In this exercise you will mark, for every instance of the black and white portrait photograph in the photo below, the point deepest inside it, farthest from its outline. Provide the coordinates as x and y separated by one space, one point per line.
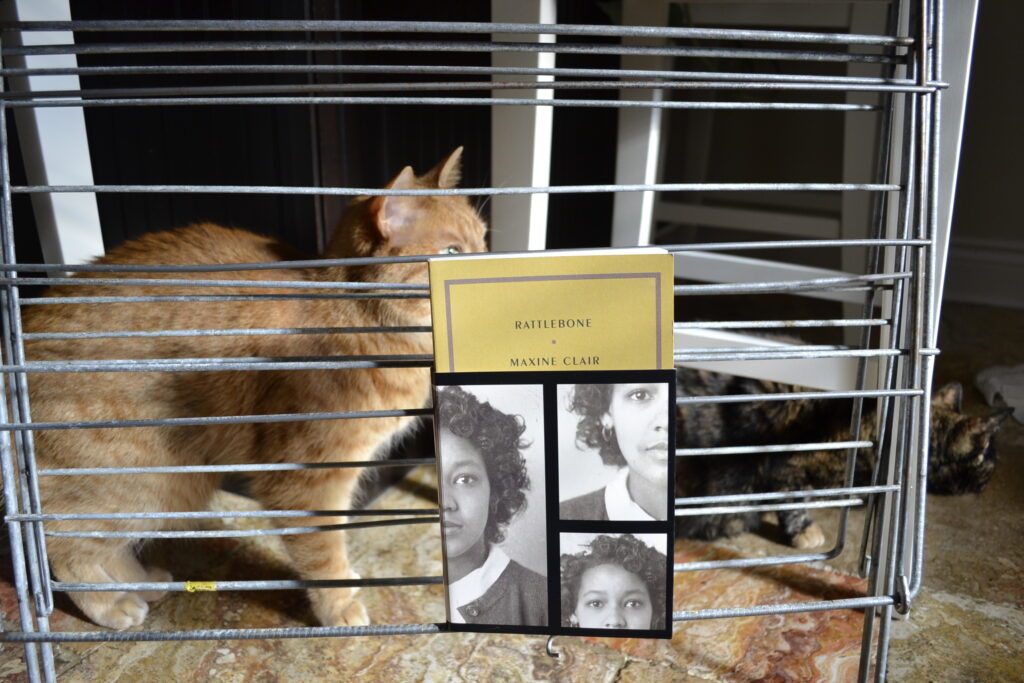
613 581
614 455
491 472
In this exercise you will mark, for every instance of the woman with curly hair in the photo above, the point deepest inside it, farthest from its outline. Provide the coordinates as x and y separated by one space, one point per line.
484 480
628 426
617 582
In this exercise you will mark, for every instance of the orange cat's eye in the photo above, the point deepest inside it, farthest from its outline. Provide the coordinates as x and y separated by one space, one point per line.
451 249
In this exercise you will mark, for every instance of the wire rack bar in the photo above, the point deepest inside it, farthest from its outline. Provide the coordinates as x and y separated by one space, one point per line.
222 469
224 332
204 514
217 420
788 286
774 448
470 191
167 282
854 82
799 395
786 495
458 27
445 86
775 324
222 364
245 533
751 562
183 586
442 46
439 101
794 354
790 608
55 300
220 634
770 507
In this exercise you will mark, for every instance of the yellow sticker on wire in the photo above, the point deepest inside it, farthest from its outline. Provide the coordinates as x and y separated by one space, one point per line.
200 586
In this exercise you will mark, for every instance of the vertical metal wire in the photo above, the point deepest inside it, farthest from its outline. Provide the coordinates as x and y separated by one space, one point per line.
38 571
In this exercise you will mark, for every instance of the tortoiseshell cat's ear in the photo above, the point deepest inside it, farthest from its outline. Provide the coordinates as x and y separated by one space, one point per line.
448 172
392 213
991 423
950 397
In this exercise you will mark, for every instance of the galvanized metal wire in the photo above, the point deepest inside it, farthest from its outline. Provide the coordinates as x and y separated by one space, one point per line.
900 270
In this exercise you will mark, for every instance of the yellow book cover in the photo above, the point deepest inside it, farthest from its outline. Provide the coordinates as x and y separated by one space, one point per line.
553 312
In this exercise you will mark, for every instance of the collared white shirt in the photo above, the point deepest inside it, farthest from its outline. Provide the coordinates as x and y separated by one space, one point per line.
475 584
618 502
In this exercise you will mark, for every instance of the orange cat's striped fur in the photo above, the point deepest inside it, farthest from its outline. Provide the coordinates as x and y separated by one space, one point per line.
370 226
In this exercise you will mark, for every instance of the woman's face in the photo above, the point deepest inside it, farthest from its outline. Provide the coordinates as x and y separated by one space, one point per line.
467 494
611 597
639 414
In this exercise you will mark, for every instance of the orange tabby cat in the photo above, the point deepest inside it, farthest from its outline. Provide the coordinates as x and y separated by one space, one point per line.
370 226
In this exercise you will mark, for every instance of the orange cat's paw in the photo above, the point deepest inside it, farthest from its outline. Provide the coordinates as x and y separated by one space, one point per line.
347 613
811 537
338 606
156 575
123 611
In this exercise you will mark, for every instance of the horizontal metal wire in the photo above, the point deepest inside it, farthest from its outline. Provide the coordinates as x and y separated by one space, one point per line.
218 634
786 495
791 353
798 395
774 448
223 364
168 282
489 191
794 244
438 101
755 79
221 469
749 562
789 608
423 258
488 47
268 585
245 533
770 507
320 89
169 298
363 26
209 514
711 350
774 324
224 332
788 285
217 420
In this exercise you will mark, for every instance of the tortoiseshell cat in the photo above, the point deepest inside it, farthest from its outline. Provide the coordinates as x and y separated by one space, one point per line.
370 226
961 455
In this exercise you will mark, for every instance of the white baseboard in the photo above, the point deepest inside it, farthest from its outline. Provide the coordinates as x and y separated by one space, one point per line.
989 272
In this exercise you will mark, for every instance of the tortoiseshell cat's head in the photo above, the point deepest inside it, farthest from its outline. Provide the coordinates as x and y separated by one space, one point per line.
961 455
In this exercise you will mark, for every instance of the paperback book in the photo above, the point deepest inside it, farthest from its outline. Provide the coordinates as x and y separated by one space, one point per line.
554 421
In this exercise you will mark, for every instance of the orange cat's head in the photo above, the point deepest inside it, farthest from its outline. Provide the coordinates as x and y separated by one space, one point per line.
397 225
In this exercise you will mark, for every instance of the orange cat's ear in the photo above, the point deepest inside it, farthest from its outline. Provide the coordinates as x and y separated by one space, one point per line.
950 397
448 173
393 213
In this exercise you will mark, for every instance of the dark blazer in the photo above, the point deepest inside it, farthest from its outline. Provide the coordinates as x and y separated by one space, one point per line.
588 506
519 597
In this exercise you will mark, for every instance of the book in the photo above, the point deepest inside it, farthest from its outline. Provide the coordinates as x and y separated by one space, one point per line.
554 423
602 311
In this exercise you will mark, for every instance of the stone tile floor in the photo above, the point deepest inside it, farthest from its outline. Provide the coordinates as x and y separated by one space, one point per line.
967 625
